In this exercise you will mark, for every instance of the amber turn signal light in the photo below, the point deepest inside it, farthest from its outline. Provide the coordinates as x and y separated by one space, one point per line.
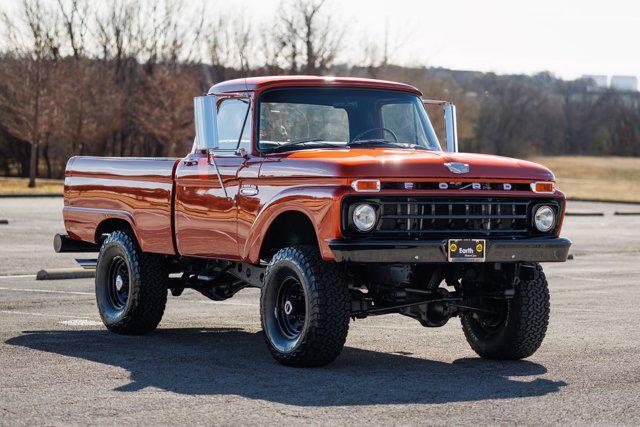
542 187
366 185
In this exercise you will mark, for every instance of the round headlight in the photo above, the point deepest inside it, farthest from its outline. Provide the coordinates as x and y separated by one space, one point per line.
364 217
544 218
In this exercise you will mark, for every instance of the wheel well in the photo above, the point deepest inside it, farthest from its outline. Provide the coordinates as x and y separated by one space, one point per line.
109 226
290 228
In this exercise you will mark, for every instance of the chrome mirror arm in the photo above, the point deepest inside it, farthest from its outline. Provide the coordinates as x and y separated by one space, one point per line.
212 160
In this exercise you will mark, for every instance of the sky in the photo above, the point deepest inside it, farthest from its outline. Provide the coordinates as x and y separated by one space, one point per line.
569 38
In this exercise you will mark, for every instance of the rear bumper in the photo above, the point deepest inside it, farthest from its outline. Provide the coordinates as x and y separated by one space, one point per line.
419 251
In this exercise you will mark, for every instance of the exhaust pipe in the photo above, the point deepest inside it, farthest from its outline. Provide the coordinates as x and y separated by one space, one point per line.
62 243
87 264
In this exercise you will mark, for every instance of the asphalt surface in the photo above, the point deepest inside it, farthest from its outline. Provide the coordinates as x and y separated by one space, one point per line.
207 362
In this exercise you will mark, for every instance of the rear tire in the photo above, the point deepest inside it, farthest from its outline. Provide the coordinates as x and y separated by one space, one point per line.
304 307
131 286
521 328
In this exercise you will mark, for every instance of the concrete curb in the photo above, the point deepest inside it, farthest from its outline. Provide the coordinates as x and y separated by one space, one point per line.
626 213
622 202
64 273
584 213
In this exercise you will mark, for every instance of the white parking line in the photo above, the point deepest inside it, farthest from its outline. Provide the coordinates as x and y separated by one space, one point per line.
80 322
46 291
239 304
52 291
27 313
18 276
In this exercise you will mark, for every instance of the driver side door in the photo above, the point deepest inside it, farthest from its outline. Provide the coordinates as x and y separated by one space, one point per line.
207 184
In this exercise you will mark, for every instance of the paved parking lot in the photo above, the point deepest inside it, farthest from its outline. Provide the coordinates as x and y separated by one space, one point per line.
207 362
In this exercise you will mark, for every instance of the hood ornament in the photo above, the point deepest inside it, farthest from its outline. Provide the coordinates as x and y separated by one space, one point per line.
457 167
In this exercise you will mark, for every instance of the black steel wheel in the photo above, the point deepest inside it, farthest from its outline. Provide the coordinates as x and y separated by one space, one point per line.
510 328
118 282
290 306
131 286
304 307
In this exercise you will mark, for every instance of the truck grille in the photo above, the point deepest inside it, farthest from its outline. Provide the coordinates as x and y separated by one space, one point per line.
437 217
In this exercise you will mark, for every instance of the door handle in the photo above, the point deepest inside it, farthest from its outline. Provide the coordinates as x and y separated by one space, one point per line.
190 161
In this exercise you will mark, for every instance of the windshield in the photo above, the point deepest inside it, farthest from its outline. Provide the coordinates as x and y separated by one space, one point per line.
296 119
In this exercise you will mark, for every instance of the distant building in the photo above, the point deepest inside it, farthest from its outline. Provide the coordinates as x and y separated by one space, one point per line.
629 83
600 80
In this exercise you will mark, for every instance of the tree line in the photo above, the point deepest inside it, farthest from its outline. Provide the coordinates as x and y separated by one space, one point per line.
117 78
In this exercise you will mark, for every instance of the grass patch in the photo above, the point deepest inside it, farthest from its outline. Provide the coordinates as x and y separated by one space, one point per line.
599 178
16 186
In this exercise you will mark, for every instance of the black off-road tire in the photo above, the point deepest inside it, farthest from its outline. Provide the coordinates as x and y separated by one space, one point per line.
147 279
327 305
524 327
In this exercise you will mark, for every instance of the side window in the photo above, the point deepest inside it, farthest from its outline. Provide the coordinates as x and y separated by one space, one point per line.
403 120
234 119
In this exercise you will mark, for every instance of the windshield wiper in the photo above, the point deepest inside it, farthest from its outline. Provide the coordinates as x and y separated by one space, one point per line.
373 142
386 143
416 146
302 141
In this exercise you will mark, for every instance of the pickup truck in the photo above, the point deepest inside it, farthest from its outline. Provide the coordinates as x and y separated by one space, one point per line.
335 197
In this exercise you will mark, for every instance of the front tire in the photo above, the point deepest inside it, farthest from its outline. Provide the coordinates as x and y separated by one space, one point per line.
304 307
131 286
519 328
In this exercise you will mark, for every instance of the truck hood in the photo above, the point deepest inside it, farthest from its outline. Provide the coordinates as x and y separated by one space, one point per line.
398 163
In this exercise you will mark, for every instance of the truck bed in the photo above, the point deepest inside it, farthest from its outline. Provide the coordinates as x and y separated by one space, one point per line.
99 191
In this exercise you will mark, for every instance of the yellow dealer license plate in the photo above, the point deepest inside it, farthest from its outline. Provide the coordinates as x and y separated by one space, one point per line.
466 250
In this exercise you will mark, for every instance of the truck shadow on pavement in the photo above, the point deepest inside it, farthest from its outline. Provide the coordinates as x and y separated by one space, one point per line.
225 361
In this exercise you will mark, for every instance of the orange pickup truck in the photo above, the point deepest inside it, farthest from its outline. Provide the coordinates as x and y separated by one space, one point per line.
333 196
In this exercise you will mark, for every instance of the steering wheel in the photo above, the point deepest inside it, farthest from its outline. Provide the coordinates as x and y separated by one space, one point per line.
361 134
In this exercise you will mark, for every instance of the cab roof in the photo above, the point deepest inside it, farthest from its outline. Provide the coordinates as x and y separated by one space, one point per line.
266 82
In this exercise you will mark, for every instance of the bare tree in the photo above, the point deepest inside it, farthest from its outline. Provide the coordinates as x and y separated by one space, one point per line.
307 36
376 55
270 50
167 120
219 48
167 33
74 15
243 43
74 94
519 119
229 45
34 49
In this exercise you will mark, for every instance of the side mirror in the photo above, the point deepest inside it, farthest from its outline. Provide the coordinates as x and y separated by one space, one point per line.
450 124
204 110
451 127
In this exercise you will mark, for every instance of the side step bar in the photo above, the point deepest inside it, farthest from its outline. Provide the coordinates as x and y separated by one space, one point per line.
87 264
62 243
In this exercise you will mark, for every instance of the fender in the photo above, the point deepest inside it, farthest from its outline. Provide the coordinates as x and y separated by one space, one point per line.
320 203
84 221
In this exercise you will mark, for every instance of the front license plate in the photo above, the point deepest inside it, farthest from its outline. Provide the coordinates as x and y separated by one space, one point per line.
466 250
